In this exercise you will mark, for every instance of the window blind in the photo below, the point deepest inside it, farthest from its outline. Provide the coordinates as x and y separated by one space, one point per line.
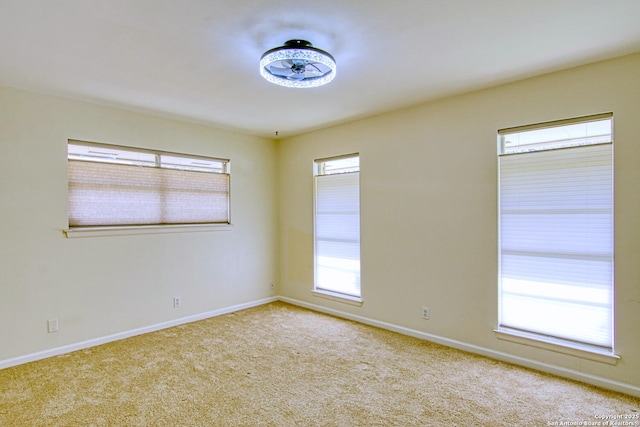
103 193
337 232
556 243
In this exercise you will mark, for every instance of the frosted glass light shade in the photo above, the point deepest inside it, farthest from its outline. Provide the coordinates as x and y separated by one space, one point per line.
298 64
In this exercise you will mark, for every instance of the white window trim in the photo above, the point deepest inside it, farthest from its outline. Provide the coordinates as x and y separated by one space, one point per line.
120 230
533 339
336 296
583 351
79 232
319 291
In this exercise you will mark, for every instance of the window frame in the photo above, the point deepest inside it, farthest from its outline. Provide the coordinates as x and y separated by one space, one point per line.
319 171
536 339
159 228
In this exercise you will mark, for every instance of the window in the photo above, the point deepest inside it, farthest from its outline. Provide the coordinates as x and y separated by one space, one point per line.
119 186
556 231
337 225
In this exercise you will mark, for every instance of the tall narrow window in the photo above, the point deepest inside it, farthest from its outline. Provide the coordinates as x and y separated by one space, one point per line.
337 225
120 186
556 230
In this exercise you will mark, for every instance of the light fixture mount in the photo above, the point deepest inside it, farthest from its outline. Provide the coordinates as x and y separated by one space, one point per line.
297 64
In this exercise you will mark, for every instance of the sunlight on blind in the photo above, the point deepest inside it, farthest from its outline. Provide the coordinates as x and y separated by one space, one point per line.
337 230
109 187
556 242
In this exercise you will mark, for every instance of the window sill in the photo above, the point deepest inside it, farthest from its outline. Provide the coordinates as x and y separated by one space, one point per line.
72 233
335 296
583 351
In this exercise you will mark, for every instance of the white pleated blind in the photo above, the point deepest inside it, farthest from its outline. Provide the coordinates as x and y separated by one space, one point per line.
337 231
103 193
556 242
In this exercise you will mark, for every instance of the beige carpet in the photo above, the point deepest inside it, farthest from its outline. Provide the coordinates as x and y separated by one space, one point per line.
280 365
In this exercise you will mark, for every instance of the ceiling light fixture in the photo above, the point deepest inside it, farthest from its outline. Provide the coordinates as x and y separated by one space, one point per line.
297 64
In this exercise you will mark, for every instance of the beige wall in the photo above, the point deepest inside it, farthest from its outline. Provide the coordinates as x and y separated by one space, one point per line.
428 189
99 286
429 208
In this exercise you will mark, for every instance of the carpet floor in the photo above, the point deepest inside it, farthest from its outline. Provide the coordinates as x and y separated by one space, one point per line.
281 365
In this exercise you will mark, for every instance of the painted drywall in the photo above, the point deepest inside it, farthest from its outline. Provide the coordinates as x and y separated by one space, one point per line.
429 209
99 286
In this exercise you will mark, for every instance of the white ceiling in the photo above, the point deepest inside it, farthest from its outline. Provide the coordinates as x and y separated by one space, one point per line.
198 59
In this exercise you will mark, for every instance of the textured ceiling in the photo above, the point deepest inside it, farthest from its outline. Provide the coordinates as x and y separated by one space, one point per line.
198 59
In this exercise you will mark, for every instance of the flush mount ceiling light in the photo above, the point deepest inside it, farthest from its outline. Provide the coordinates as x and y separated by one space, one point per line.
297 64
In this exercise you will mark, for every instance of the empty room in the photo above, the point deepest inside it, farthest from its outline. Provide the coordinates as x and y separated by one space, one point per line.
336 213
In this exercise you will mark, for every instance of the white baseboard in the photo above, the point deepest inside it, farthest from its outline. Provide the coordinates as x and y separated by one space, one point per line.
126 334
498 355
529 363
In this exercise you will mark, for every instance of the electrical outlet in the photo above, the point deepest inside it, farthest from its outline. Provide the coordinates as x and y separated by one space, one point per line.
426 313
177 302
52 325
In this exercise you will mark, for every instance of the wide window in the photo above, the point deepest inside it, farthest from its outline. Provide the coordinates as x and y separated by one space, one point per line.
337 225
121 186
556 230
